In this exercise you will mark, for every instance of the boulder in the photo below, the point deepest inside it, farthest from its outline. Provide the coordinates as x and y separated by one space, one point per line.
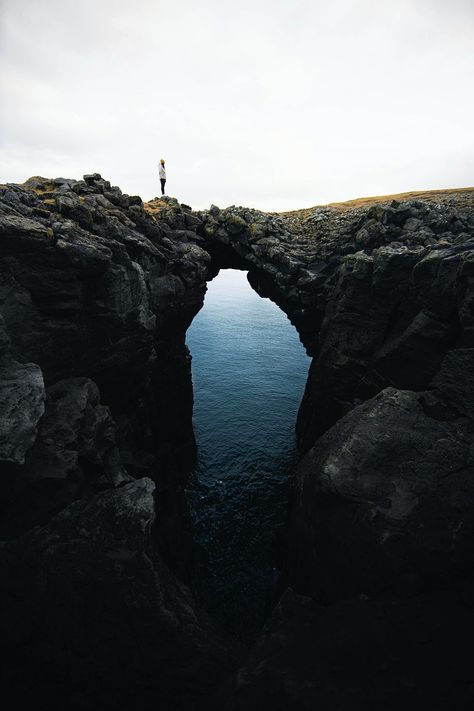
384 501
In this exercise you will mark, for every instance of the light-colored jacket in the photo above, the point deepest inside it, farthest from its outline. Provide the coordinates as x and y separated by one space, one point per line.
162 172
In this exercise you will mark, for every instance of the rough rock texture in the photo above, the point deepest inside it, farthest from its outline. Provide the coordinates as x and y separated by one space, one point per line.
91 285
92 618
382 542
74 453
96 295
382 518
21 407
384 501
97 290
455 380
358 655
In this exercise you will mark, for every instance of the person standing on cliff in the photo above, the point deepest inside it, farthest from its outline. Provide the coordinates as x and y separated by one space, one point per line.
162 172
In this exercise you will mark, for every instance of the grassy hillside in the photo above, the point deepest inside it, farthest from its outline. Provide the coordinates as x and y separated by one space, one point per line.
461 196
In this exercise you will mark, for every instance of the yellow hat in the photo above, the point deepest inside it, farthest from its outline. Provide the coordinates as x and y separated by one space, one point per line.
162 160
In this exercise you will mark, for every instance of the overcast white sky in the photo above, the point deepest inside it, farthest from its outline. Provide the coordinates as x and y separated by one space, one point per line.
275 104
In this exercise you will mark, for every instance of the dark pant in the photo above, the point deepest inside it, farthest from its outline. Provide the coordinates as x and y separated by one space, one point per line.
162 181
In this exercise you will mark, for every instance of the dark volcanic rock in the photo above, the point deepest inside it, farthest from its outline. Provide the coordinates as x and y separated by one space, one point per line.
384 500
97 290
455 379
92 618
84 428
358 655
73 452
85 299
21 407
91 286
390 321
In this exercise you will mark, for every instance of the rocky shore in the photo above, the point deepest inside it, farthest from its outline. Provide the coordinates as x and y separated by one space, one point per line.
97 290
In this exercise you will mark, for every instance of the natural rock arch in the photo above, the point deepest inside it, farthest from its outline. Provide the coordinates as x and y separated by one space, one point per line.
96 284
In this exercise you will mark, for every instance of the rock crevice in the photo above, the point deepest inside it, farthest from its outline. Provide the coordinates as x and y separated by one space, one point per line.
97 290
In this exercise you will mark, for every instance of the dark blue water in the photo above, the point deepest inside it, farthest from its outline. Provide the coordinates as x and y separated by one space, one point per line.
249 371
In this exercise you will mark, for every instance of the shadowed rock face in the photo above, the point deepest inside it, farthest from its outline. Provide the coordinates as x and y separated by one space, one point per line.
92 287
21 405
384 500
95 391
381 524
74 453
357 655
96 293
95 616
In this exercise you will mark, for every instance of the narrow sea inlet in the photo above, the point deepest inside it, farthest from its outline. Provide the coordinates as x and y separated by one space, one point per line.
249 372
